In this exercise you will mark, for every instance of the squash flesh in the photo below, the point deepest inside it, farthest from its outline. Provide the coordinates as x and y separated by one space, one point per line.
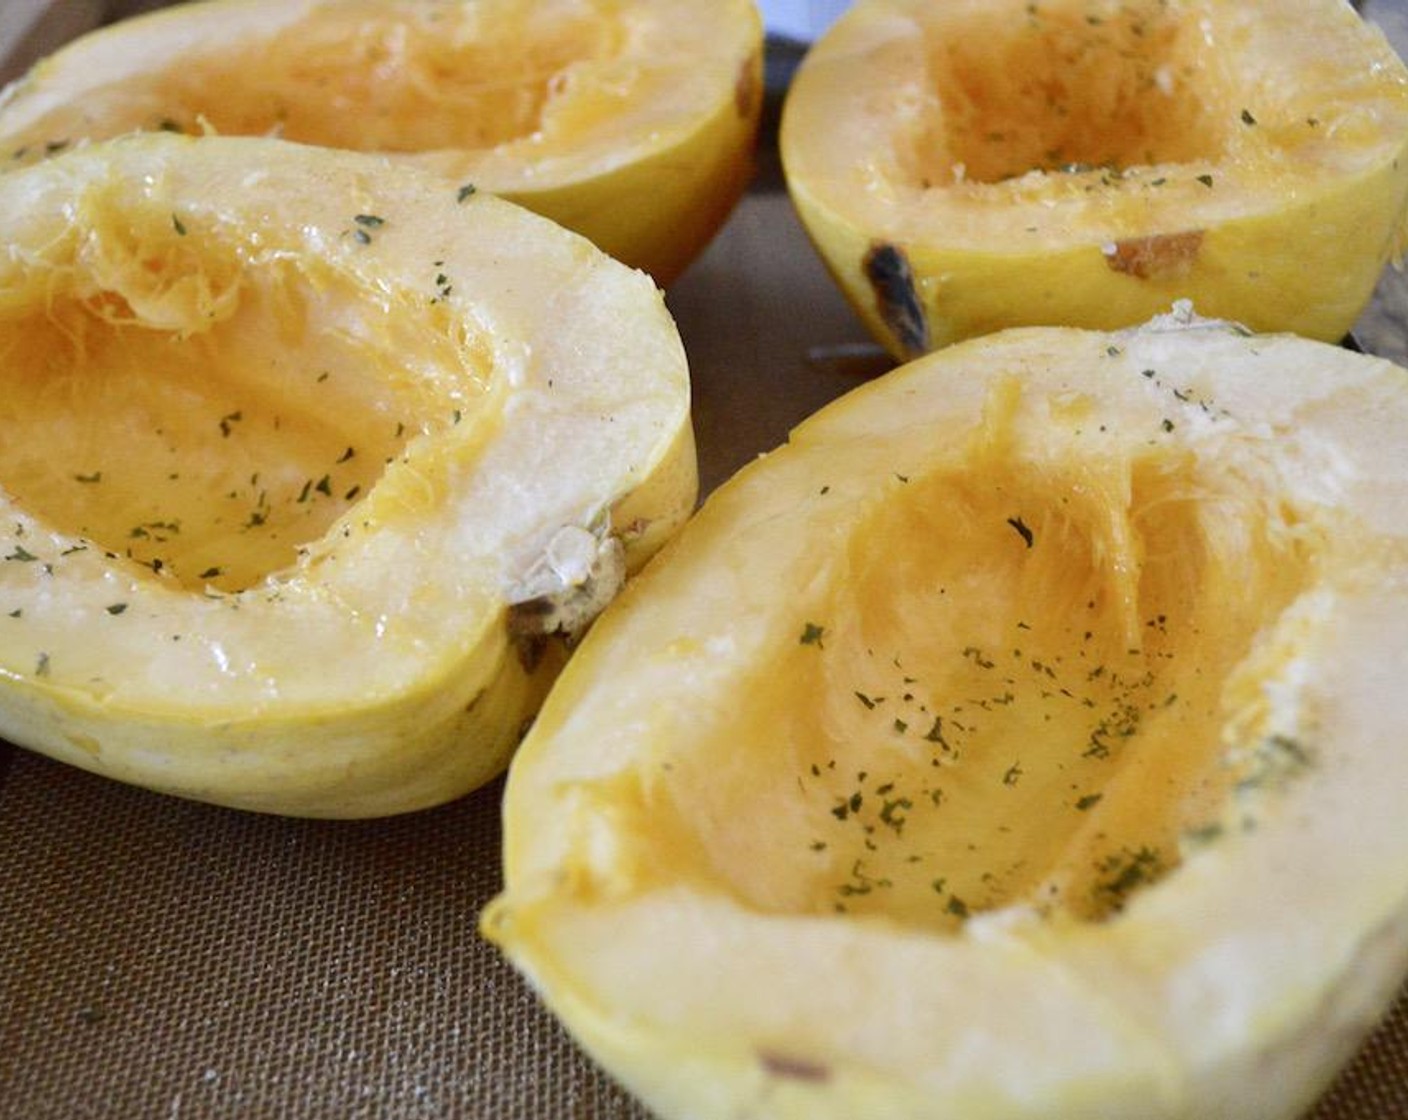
1062 89
1089 122
959 723
210 416
370 77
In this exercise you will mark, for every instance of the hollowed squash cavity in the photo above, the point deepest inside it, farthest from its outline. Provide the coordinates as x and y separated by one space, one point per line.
207 415
980 721
1065 88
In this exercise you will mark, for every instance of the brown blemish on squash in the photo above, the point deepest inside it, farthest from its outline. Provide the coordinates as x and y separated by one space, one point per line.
793 1068
747 89
1164 256
531 649
888 271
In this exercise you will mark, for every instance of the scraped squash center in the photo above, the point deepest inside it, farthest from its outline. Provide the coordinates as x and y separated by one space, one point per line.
170 402
1012 693
358 77
1066 86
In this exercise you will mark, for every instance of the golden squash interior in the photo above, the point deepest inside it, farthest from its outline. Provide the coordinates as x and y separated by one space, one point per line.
1011 691
370 76
1063 86
999 99
207 405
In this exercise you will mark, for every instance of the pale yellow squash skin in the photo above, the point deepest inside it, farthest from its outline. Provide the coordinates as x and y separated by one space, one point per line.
288 433
1085 163
1021 740
630 121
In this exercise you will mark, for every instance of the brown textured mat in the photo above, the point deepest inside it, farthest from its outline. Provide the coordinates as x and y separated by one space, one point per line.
165 959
